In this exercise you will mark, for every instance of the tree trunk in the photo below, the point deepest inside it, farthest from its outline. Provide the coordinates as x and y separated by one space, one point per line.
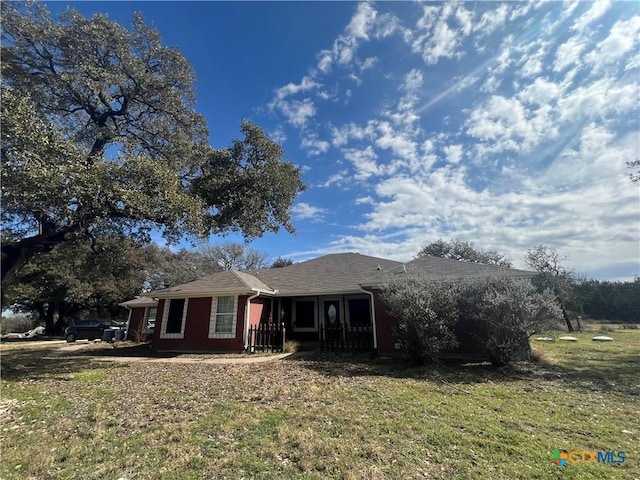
60 323
566 317
47 313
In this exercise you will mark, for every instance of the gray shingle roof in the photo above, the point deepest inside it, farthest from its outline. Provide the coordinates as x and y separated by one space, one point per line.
436 268
337 273
221 282
139 302
334 273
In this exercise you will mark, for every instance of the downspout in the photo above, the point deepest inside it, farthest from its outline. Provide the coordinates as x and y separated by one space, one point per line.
247 317
247 314
373 317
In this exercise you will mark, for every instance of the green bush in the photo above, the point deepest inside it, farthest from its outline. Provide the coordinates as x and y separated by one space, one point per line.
426 313
502 312
511 310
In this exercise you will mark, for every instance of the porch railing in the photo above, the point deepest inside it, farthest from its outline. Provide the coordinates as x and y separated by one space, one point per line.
341 337
266 337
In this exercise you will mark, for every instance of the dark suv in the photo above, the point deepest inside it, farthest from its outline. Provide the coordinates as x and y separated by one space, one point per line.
87 329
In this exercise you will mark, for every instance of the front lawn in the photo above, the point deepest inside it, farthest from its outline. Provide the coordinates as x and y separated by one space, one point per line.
328 416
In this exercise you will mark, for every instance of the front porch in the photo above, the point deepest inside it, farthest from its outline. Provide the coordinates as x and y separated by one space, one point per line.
331 323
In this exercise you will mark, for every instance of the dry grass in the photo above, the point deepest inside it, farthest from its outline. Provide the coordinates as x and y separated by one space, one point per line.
327 416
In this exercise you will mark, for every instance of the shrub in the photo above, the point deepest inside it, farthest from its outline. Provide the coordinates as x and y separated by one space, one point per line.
291 346
502 314
426 313
510 311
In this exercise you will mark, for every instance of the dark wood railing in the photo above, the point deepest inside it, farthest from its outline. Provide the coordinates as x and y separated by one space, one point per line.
341 337
266 337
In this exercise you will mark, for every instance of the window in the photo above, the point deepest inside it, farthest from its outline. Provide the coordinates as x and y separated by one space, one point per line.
359 312
173 318
305 314
222 323
150 318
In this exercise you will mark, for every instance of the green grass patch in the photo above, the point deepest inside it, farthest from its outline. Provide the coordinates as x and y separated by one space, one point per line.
322 417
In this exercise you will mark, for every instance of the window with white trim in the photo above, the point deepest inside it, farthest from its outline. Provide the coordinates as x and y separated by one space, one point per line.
173 318
222 323
150 319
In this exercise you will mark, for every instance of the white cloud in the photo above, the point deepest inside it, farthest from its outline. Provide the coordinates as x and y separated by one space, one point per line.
504 124
413 80
364 25
598 9
325 59
314 146
397 141
360 25
336 178
297 112
307 83
492 20
621 40
453 153
303 211
465 19
540 92
368 63
364 162
569 54
602 97
364 200
351 131
438 39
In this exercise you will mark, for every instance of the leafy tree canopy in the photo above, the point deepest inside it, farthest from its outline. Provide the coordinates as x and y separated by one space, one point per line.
464 251
99 133
73 280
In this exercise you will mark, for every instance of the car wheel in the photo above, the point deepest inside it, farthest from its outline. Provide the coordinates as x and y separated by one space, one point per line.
71 337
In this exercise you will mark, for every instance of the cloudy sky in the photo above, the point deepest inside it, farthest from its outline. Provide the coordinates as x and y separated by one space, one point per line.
505 124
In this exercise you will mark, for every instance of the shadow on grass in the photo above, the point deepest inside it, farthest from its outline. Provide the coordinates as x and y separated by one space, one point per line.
608 373
126 349
18 365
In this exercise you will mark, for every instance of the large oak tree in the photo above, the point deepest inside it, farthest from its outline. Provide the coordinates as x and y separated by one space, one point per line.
99 132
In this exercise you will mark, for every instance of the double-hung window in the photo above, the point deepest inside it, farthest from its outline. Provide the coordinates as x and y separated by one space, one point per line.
223 317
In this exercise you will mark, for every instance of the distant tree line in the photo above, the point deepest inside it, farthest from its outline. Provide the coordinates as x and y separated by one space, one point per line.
603 300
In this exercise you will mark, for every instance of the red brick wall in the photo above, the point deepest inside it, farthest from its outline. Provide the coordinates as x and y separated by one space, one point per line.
136 317
384 325
260 310
196 329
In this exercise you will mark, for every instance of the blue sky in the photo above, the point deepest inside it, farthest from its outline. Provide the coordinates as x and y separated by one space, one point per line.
502 123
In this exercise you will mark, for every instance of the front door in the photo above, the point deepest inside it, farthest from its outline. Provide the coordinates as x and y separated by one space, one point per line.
331 313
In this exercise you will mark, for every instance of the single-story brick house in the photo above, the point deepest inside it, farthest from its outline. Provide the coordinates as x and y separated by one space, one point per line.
216 312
